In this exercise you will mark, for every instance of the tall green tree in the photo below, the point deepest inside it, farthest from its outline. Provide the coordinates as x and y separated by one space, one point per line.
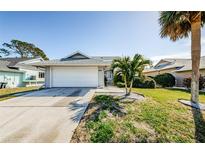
179 24
22 49
129 68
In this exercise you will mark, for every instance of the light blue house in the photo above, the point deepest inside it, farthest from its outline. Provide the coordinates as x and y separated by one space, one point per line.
18 72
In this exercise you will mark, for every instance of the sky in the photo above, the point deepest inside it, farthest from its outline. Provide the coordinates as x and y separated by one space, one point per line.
59 34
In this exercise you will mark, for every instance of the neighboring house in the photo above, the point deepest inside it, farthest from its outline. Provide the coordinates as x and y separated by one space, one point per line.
18 72
179 68
77 70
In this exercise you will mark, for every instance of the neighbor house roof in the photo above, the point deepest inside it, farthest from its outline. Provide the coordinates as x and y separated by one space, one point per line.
188 65
17 62
4 66
78 59
177 64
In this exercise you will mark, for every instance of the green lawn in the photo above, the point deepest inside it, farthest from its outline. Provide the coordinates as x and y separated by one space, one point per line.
8 92
158 118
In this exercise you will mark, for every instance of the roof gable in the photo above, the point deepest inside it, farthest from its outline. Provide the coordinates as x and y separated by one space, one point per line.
75 56
162 63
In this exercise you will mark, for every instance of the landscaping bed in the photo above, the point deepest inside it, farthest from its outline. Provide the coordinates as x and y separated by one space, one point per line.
157 118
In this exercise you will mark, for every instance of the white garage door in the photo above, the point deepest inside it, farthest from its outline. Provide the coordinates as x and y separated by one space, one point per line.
74 77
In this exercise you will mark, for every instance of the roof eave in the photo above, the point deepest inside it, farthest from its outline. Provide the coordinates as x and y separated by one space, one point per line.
189 70
82 65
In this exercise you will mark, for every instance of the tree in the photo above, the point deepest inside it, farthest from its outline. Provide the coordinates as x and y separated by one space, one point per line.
128 69
121 66
179 24
23 49
137 65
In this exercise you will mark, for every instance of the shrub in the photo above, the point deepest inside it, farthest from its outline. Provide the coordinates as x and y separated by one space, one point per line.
149 83
120 84
105 100
165 80
117 79
102 134
144 83
137 83
187 82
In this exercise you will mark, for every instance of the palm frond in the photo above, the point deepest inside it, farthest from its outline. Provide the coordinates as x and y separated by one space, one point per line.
177 24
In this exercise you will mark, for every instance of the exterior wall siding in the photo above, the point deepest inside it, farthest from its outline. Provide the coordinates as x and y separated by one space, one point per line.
101 77
32 73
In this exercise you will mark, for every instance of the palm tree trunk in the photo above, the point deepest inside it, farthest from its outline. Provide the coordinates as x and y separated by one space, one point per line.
130 87
125 78
195 54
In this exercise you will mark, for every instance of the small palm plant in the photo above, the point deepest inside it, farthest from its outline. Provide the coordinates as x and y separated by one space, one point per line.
177 25
121 67
128 69
137 65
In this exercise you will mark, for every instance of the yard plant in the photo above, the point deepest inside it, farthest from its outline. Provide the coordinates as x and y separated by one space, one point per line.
146 82
165 80
129 68
187 82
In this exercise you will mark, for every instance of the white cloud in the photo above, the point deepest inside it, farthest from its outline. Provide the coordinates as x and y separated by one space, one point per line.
187 42
184 54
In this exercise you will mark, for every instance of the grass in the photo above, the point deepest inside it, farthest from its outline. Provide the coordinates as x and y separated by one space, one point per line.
158 118
8 93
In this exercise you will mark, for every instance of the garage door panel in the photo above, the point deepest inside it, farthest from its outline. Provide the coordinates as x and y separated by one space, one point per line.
75 77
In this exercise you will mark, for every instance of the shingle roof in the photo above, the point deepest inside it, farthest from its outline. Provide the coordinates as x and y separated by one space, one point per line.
105 58
15 63
94 61
14 60
73 62
4 67
188 65
178 64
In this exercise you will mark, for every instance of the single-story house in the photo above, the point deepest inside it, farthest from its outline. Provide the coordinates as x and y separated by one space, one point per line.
179 68
77 70
18 72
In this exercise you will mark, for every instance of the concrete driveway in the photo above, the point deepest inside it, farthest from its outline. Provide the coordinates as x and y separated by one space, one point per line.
49 115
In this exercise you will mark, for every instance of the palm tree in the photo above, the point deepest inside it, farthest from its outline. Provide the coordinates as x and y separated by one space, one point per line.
137 65
179 24
128 69
121 67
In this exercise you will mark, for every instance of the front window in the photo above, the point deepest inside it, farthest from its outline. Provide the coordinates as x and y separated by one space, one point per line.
41 75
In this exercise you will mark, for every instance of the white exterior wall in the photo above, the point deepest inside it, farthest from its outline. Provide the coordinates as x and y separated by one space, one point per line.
47 77
101 81
29 73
